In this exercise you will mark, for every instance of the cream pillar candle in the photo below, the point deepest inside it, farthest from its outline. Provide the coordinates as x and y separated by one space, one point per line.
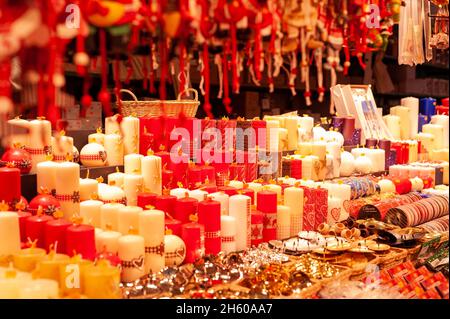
109 216
272 135
236 184
356 152
319 149
130 130
413 151
307 167
340 190
62 147
334 149
88 187
132 163
440 155
90 212
112 125
97 137
198 194
378 159
274 188
151 168
335 210
347 164
107 241
283 222
131 250
240 209
39 141
132 185
444 122
17 129
179 192
256 187
413 104
152 229
68 188
403 113
312 168
228 228
128 218
330 166
306 123
111 194
9 233
114 148
319 133
308 183
293 198
427 142
291 124
416 184
283 139
305 148
438 133
46 176
116 179
393 124
223 199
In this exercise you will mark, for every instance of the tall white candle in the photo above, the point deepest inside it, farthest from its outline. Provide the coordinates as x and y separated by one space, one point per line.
112 125
293 198
444 122
39 141
132 163
130 130
68 188
107 241
438 133
116 179
132 184
335 210
223 199
393 124
128 218
90 212
88 187
62 147
18 132
151 227
9 233
413 104
291 124
403 113
131 250
240 209
151 168
228 229
46 176
283 222
334 149
109 215
114 148
306 123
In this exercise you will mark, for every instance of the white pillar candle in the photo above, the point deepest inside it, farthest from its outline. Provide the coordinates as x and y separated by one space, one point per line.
283 139
18 132
274 188
386 186
223 199
39 289
130 130
347 164
438 133
393 124
107 241
9 233
334 149
305 148
90 212
307 167
46 176
68 188
198 194
228 228
283 222
179 192
444 122
131 250
62 147
151 168
340 190
413 151
236 184
132 163
440 155
151 227
403 113
378 159
97 137
128 218
308 183
240 209
109 216
256 187
112 125
318 133
39 141
88 187
427 143
335 210
111 194
114 148
293 198
413 104
116 179
132 184
306 123
291 124
272 135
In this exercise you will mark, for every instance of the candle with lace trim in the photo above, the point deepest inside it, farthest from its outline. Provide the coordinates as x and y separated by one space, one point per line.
107 241
9 233
223 199
283 222
185 207
39 141
132 254
194 238
93 155
81 239
114 148
35 228
90 212
228 232
55 234
256 228
267 204
209 217
239 208
128 218
144 199
62 146
68 188
130 130
151 228
132 185
10 184
151 167
132 163
88 188
111 194
109 215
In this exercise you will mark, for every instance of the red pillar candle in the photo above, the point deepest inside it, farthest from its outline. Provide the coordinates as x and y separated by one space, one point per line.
167 178
320 206
174 225
9 184
208 174
194 176
165 156
260 132
209 188
184 207
23 216
405 151
296 168
80 239
222 173
397 146
55 234
229 190
309 212
144 199
165 203
267 204
150 133
348 129
170 122
179 169
207 124
35 228
209 217
193 235
256 228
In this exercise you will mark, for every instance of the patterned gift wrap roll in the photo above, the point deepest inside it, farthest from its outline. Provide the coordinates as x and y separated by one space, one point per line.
256 229
438 225
377 206
360 186
419 212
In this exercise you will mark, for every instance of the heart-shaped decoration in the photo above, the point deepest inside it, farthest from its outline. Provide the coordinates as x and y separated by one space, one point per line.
347 205
336 213
138 262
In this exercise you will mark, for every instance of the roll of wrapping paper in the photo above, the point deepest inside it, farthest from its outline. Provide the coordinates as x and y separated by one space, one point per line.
348 129
360 186
257 226
267 204
377 206
386 146
438 225
338 123
419 212
427 107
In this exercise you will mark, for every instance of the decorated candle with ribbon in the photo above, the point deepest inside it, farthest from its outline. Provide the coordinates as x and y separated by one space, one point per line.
67 187
209 217
46 175
132 254
256 228
111 194
151 228
283 222
194 238
239 208
39 141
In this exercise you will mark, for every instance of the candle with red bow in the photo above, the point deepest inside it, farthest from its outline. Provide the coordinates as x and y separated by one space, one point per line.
184 208
144 199
165 202
209 217
9 184
193 235
80 239
257 226
194 176
35 227
267 204
55 235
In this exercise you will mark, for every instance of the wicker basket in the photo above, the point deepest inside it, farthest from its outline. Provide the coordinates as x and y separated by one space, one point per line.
160 107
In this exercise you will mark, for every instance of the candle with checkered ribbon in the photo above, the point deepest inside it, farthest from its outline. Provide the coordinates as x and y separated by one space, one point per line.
46 175
67 185
151 167
209 217
174 250
62 146
131 251
93 155
239 208
228 233
151 227
39 141
267 204
293 198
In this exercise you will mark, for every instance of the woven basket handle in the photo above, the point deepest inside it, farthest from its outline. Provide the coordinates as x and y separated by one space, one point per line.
130 93
188 90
